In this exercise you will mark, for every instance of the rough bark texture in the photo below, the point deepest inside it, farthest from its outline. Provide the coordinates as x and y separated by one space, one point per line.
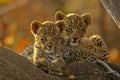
15 67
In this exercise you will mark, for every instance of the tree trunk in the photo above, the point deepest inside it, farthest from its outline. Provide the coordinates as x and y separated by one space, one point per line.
16 67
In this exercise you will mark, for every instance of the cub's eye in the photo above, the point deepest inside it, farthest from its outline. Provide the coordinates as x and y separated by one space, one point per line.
69 30
56 38
70 22
82 31
43 39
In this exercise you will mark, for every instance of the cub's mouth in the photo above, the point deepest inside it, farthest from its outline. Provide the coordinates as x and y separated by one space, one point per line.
49 51
74 43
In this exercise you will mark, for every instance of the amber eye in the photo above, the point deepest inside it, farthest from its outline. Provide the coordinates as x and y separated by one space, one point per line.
43 39
56 38
69 30
83 31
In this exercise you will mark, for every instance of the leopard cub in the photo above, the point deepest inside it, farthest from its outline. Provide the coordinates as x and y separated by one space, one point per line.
46 53
77 47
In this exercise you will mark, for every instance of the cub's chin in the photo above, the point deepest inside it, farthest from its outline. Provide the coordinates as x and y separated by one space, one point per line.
49 51
74 44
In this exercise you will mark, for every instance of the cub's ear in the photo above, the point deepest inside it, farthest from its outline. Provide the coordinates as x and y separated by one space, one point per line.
87 18
61 25
34 26
59 15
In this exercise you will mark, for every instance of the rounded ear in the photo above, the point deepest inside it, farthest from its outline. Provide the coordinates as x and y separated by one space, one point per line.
87 18
61 25
59 15
34 26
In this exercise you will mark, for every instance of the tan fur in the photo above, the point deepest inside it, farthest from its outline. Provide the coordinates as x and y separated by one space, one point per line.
47 46
79 48
67 40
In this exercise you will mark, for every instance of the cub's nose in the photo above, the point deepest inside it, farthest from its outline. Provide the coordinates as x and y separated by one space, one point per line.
75 38
50 46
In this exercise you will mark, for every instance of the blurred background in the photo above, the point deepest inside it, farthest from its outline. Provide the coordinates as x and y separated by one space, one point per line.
16 16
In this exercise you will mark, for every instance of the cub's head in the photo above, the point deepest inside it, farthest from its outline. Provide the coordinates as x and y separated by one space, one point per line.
75 26
47 35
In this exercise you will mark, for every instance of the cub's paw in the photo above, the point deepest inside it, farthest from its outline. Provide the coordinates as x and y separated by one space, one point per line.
42 61
56 71
58 63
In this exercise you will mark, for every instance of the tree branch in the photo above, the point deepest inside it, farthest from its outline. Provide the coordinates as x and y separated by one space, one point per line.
16 67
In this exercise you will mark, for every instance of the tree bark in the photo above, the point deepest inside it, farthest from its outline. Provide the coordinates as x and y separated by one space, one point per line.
16 67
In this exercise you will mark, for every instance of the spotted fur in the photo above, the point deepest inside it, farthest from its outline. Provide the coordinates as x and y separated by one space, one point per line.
28 52
77 47
47 43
